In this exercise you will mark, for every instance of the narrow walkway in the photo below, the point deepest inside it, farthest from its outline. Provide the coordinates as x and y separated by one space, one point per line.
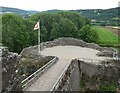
48 79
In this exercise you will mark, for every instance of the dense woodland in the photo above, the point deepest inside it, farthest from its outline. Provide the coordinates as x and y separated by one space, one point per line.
18 33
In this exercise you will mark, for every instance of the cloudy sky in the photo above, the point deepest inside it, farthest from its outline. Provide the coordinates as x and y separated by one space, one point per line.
41 5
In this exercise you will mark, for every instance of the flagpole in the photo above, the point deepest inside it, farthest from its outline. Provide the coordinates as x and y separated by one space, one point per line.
39 38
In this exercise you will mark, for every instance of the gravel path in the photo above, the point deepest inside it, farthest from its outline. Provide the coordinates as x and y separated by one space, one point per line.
71 52
65 54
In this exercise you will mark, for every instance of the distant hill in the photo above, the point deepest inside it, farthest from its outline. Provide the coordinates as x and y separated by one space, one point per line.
107 16
100 14
54 10
17 11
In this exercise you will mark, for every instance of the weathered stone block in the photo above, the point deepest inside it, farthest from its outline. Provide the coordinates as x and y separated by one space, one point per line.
10 70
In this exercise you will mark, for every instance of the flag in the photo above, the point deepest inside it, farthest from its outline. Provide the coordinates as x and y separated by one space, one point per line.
36 26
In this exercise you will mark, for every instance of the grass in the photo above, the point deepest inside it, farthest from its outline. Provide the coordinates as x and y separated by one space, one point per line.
108 87
106 37
82 85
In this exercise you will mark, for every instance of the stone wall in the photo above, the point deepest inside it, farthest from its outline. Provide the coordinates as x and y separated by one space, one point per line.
33 50
99 77
83 76
105 71
10 70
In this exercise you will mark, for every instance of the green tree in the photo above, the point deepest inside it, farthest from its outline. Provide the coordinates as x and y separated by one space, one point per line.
55 32
65 28
87 34
29 29
14 32
43 34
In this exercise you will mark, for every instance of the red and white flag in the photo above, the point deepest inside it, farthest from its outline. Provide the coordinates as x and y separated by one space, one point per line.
36 26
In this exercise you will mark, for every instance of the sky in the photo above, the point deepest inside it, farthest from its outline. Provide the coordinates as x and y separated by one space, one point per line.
42 5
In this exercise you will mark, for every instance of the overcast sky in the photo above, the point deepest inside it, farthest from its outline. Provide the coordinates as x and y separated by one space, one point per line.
41 5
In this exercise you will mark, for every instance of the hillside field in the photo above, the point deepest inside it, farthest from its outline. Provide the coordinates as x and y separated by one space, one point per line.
106 37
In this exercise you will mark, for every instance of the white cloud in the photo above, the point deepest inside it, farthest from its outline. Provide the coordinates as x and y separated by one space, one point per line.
41 5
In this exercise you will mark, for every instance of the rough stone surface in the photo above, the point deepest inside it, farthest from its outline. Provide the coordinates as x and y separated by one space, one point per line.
33 50
74 77
93 76
10 70
107 53
106 72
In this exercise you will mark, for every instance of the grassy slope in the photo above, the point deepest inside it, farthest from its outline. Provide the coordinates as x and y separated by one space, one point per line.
106 37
